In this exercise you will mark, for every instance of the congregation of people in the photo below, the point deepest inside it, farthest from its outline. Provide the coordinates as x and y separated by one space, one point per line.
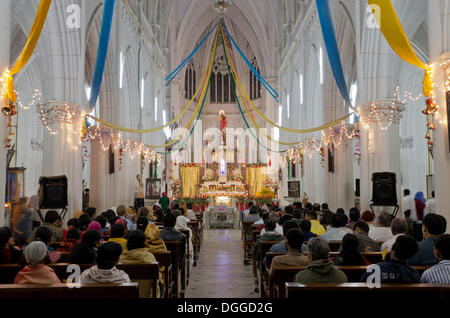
304 234
121 235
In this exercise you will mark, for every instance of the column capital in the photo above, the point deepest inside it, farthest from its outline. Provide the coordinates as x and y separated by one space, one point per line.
383 111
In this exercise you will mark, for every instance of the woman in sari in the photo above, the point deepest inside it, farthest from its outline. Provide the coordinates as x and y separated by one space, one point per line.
153 242
420 205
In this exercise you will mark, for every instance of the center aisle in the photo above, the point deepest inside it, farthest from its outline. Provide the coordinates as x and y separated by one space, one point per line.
220 272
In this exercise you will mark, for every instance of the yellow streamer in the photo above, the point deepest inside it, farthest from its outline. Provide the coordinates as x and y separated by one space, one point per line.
298 131
394 34
33 37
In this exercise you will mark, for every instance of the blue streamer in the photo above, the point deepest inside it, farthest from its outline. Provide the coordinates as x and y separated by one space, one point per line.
266 85
102 51
329 37
175 72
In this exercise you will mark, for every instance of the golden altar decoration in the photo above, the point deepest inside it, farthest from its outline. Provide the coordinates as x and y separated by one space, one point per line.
265 193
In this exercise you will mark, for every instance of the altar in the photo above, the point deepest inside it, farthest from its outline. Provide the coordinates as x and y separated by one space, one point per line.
221 216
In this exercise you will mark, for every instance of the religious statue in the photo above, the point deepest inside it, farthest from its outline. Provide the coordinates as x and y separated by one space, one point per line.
223 124
304 199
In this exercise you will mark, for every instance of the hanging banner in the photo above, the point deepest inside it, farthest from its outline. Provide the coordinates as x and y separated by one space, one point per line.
24 57
394 34
102 52
329 37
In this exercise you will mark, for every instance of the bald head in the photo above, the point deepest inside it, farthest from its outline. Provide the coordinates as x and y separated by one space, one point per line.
399 226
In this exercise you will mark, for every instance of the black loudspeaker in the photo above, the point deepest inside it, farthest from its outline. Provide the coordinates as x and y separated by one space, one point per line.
53 192
384 191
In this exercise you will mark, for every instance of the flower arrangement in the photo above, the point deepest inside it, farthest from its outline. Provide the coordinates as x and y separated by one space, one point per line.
237 178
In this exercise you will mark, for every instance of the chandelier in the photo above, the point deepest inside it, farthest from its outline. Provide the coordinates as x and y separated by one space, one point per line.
221 6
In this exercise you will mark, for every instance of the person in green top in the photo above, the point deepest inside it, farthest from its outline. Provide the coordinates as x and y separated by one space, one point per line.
164 201
321 269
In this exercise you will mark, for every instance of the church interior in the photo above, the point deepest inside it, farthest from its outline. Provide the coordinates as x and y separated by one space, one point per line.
274 148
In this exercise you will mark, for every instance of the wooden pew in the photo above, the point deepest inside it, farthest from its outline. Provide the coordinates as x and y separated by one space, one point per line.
246 233
163 259
286 274
334 245
197 236
360 292
186 259
135 271
62 291
262 273
174 248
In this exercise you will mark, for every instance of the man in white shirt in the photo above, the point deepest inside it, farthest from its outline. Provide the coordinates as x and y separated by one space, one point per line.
336 232
430 206
382 231
408 203
398 227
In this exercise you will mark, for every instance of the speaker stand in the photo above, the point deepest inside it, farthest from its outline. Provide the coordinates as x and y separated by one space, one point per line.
394 214
63 213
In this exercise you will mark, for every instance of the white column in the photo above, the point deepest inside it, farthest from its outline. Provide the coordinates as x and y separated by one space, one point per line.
439 42
62 152
380 146
5 30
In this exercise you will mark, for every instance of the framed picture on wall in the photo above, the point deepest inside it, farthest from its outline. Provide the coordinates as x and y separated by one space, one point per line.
152 188
111 159
331 159
294 189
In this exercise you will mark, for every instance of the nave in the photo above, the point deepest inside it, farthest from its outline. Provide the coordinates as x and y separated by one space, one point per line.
220 272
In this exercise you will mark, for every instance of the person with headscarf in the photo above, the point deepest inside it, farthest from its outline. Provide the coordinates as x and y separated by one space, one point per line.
164 201
36 272
78 214
94 226
420 204
182 224
153 242
138 253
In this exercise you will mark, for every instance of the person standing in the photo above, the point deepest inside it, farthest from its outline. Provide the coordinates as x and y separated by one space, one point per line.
430 206
164 201
420 204
409 204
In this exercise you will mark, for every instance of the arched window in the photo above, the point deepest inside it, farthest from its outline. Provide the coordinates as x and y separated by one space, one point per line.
213 88
255 84
190 81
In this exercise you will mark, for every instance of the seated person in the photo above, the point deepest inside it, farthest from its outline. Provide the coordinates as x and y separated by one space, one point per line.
154 243
297 215
118 235
168 233
320 269
263 211
253 214
189 213
278 227
8 252
366 244
439 273
294 242
137 253
36 272
44 235
396 270
101 219
281 247
105 270
382 231
85 252
264 215
368 217
52 221
142 223
269 235
349 254
398 227
335 233
433 225
316 227
71 224
305 226
288 210
72 238
354 217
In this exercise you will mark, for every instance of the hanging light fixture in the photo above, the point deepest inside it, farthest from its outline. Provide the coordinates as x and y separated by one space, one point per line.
221 6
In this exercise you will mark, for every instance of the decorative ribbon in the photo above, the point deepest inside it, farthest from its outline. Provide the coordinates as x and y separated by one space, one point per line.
266 85
30 45
175 72
394 34
102 51
201 87
291 130
329 37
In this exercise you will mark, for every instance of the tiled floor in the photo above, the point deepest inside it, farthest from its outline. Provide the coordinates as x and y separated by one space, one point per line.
220 272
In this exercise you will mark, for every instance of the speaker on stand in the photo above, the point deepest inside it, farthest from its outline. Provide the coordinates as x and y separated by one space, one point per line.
384 191
53 194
